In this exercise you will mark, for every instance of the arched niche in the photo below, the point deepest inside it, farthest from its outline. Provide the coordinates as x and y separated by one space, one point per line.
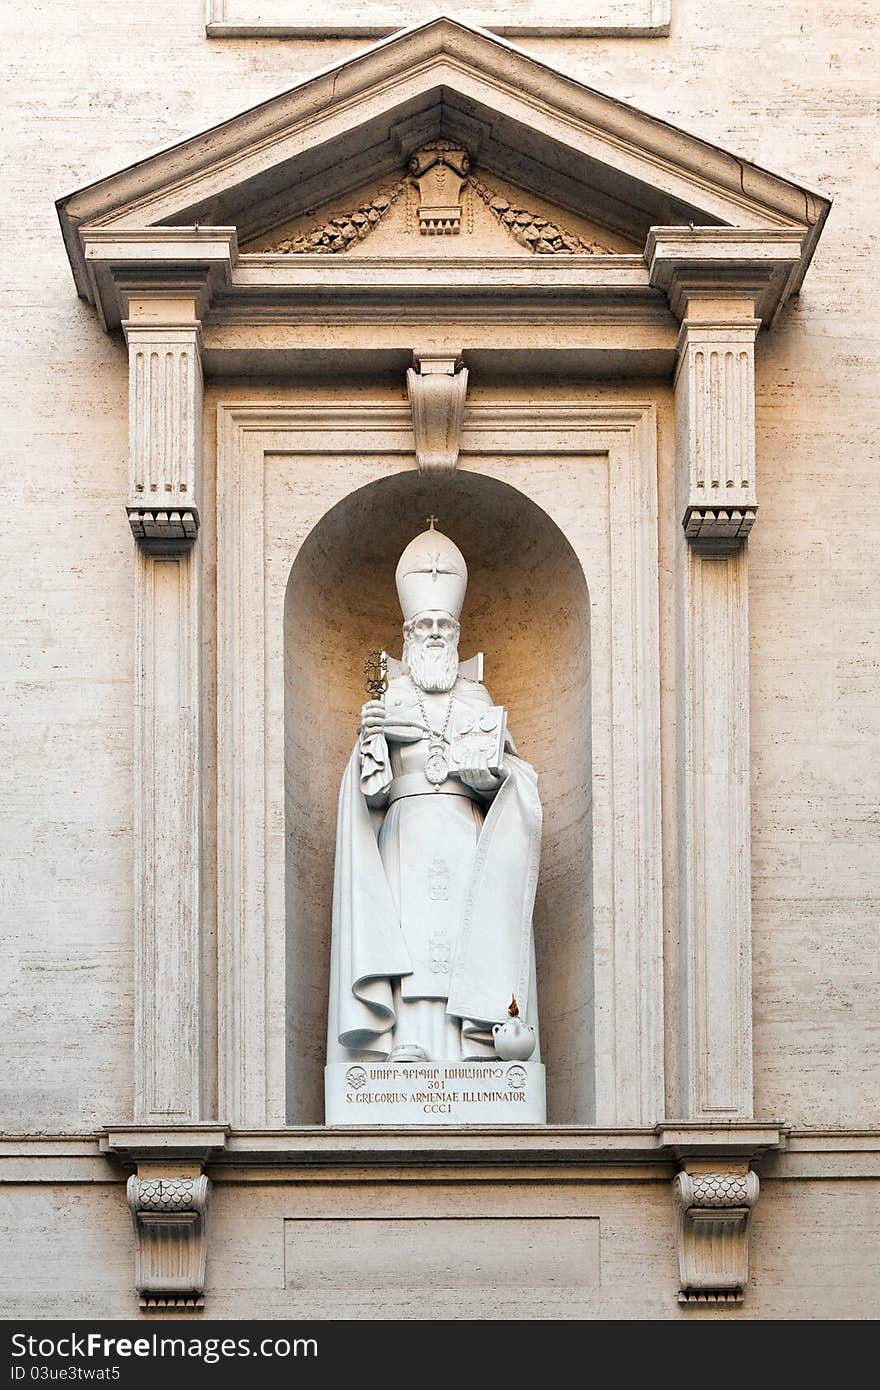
527 608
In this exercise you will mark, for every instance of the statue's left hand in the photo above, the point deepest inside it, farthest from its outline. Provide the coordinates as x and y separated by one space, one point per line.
479 777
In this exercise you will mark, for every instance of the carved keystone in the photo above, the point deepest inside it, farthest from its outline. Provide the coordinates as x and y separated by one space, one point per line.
714 1215
169 1223
437 387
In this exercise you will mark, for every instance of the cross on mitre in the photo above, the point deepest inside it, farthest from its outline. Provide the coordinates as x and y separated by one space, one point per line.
436 559
431 574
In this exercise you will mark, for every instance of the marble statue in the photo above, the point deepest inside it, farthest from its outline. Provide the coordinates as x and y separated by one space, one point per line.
438 840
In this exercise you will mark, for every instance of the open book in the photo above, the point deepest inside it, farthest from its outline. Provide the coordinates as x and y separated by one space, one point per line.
478 734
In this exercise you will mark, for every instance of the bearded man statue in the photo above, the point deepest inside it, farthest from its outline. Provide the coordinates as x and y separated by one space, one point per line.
436 855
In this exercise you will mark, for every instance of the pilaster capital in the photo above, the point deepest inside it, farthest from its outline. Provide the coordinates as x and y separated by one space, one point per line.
698 330
128 267
163 319
741 272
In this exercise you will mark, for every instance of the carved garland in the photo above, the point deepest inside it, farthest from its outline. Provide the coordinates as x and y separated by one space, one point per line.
438 161
538 233
342 232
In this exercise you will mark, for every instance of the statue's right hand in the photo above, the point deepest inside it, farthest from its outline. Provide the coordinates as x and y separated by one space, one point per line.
373 717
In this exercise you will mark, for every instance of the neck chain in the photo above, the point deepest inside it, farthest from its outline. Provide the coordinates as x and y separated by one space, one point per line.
436 763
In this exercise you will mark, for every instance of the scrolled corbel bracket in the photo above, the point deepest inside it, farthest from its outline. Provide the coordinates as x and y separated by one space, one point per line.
169 1215
714 1213
437 388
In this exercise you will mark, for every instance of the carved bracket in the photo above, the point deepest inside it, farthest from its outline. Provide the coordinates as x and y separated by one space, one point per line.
718 530
440 169
163 532
169 1223
714 1215
437 387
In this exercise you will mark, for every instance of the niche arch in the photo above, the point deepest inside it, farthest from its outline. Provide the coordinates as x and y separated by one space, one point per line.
528 608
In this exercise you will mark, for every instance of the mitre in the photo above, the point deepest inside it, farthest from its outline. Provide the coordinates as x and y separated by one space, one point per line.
431 574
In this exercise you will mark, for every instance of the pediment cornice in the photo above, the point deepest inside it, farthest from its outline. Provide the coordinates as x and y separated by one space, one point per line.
519 117
229 288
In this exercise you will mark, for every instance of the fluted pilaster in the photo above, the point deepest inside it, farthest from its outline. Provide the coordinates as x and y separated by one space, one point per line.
165 429
715 389
165 395
714 403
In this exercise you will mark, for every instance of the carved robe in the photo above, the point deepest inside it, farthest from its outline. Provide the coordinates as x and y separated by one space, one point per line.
433 899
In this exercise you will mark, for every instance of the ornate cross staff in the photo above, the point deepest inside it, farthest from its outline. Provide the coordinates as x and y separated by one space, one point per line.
376 672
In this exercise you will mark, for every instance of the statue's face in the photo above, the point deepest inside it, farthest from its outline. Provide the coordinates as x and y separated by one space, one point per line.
430 649
436 631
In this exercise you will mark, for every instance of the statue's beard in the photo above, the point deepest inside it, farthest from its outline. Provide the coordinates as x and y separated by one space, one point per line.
434 669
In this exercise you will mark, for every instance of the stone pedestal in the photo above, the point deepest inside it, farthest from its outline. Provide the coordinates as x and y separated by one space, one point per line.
433 1093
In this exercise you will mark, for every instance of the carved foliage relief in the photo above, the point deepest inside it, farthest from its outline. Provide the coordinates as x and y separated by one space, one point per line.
438 192
344 230
538 233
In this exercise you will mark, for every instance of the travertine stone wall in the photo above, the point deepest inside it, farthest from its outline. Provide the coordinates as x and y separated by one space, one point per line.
790 88
593 1248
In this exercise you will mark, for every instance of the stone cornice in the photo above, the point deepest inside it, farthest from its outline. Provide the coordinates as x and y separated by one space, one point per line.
649 19
500 291
243 290
608 272
157 1141
317 1145
725 265
618 1154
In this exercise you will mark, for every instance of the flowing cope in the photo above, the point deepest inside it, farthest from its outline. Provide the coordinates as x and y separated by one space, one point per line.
495 953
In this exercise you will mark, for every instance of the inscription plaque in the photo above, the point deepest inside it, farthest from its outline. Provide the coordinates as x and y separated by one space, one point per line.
447 1093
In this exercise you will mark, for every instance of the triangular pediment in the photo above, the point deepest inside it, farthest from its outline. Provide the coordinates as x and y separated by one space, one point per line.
599 172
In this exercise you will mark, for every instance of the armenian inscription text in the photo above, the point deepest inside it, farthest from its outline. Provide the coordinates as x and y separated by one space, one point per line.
465 1093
